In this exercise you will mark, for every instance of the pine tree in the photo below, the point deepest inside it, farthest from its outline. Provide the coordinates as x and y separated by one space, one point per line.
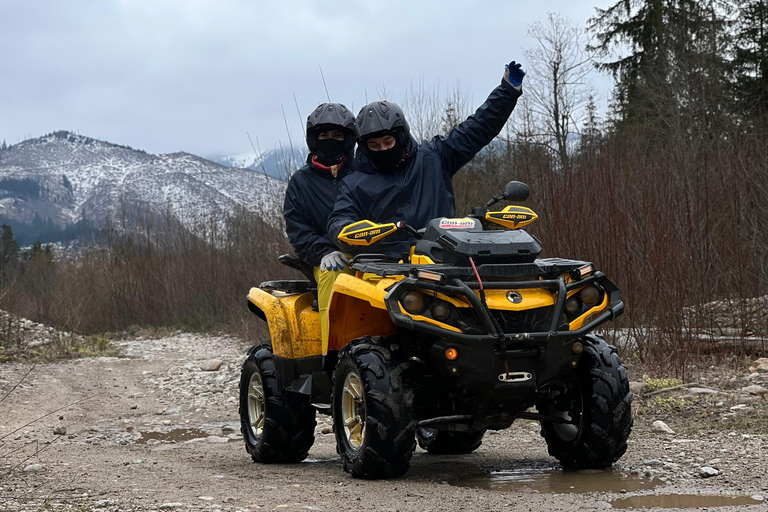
9 254
676 62
751 54
592 132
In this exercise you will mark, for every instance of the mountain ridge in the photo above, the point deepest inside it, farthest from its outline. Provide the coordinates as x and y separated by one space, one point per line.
65 178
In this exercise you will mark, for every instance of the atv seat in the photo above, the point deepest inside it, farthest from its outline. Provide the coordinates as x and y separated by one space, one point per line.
289 260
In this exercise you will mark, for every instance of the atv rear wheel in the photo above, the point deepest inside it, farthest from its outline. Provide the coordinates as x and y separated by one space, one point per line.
448 442
277 426
597 405
372 412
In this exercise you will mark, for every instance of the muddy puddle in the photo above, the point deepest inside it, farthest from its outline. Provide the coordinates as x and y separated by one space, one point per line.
553 480
684 501
177 435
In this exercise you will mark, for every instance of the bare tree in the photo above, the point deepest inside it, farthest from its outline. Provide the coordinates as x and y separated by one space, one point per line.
556 83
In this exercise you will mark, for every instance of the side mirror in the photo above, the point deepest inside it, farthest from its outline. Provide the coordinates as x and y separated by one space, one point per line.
516 191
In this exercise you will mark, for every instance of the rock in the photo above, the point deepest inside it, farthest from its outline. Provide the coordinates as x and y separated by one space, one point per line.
326 430
755 390
171 506
212 365
226 429
172 410
756 364
34 468
739 407
638 387
763 368
708 471
753 376
60 431
702 391
652 462
217 439
660 426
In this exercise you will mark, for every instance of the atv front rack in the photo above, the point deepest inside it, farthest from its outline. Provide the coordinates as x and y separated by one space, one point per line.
547 268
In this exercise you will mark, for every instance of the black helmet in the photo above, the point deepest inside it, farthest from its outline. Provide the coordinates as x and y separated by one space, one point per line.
382 116
331 116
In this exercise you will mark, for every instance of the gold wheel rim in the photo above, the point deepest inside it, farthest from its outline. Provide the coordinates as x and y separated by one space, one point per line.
353 410
256 404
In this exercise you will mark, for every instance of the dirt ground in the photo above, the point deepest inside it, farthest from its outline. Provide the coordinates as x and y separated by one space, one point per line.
151 431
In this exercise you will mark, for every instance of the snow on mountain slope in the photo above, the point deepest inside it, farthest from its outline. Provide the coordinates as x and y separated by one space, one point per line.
67 177
278 163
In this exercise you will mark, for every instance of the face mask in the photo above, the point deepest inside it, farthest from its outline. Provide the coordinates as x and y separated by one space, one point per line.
330 151
387 160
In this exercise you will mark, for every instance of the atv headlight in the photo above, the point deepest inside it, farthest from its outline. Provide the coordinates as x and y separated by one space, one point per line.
413 302
441 310
590 295
572 305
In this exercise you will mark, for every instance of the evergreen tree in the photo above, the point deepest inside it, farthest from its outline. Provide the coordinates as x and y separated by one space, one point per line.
751 54
592 132
9 254
676 64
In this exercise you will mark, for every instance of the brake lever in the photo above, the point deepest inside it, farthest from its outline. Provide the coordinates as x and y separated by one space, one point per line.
408 229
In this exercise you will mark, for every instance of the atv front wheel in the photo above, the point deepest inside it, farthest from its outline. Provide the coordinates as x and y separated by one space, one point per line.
372 412
448 442
277 426
597 408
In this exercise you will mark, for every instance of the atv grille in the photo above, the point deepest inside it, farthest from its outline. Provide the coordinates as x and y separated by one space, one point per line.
531 320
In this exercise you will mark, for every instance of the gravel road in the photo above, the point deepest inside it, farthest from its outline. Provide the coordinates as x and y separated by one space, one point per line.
152 431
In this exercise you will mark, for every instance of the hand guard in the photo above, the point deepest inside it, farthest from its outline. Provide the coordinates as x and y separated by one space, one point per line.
333 261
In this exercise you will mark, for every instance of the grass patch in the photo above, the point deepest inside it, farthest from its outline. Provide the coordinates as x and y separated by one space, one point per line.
58 348
661 383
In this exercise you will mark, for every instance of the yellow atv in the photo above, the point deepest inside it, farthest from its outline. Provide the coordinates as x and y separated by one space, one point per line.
468 333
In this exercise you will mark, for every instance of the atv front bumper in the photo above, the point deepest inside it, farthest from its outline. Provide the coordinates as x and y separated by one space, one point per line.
483 358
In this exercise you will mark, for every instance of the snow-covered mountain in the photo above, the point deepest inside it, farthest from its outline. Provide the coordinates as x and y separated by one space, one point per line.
277 163
66 178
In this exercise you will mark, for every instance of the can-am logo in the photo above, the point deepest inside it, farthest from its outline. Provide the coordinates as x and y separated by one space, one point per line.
456 223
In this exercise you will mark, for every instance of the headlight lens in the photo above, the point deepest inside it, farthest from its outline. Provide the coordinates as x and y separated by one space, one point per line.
413 302
441 310
590 295
572 305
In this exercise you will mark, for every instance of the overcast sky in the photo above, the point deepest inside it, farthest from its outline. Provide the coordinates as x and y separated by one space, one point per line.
196 75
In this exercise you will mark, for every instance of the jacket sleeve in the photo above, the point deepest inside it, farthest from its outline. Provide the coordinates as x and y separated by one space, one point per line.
309 245
479 129
344 213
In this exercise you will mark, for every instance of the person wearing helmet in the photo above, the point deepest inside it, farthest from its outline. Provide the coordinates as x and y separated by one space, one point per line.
311 194
400 180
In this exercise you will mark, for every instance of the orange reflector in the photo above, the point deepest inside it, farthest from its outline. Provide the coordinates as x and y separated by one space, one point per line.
451 354
430 276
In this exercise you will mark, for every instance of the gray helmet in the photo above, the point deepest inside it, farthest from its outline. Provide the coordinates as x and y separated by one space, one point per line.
382 116
331 114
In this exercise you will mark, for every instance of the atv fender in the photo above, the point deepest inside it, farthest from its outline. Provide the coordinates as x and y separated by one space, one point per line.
294 329
357 309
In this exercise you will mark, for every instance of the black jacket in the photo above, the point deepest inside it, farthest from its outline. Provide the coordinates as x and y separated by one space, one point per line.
309 200
421 188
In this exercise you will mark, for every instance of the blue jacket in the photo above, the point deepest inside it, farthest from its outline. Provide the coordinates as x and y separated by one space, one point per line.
421 187
309 200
